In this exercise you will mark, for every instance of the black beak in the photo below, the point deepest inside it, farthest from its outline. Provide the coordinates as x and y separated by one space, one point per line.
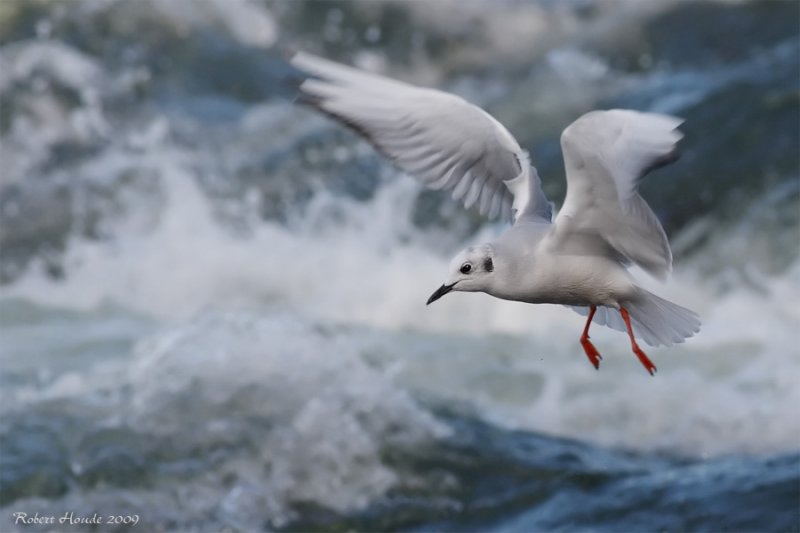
441 291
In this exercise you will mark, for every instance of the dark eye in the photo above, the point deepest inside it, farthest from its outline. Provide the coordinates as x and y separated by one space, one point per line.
466 268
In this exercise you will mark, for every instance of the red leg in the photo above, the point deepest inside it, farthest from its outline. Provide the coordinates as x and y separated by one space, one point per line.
591 352
648 364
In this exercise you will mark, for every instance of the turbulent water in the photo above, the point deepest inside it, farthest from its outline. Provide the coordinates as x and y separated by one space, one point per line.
212 301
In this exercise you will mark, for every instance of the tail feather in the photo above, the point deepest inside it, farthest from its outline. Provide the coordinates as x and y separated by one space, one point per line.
656 321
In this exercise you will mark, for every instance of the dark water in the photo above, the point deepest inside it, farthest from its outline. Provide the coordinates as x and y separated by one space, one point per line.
212 301
497 480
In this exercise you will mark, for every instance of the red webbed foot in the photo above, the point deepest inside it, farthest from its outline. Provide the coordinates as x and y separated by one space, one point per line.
646 362
591 352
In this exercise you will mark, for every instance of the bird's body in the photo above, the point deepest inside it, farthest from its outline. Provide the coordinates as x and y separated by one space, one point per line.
538 275
580 258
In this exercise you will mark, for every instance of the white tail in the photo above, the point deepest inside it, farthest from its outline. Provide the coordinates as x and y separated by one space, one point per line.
656 321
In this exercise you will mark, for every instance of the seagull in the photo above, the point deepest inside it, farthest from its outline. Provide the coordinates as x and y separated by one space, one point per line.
581 257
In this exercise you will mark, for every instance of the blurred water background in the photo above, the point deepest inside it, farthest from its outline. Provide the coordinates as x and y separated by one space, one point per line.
212 301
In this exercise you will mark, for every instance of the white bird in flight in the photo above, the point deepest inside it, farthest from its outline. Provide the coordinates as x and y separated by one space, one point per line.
578 259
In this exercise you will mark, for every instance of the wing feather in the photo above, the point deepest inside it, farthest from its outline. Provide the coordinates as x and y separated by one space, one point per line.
606 155
444 141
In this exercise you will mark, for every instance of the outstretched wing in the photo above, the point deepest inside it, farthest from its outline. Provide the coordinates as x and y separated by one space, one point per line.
606 155
443 140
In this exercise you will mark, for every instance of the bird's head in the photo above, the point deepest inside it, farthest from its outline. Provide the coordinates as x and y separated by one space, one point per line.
471 271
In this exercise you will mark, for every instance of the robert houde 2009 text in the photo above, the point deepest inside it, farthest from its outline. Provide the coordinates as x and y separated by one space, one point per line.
69 518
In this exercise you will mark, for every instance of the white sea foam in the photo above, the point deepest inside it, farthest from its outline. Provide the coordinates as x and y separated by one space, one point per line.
328 413
291 412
